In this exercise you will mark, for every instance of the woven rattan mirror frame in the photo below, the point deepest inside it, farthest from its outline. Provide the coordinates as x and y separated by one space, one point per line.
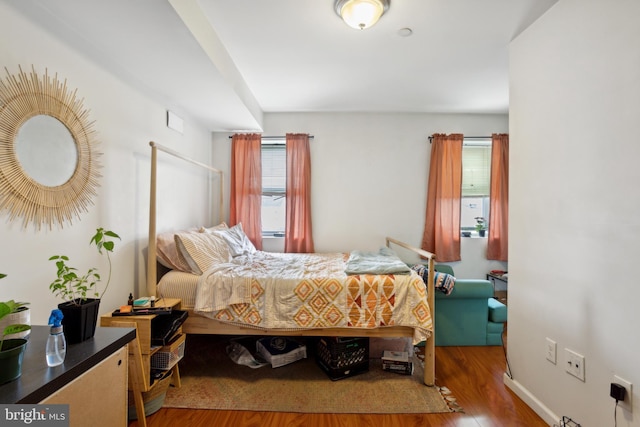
22 97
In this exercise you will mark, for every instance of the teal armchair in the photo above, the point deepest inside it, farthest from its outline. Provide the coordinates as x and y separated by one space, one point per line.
469 315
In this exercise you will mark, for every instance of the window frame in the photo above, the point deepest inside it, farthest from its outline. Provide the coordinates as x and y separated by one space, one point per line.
274 192
467 230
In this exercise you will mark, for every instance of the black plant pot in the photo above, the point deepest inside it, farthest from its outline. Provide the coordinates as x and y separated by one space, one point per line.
481 232
79 321
11 359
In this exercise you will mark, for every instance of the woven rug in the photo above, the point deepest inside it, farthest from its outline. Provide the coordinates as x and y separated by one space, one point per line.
211 380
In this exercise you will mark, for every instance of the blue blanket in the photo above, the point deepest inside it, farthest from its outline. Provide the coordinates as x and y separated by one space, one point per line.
385 261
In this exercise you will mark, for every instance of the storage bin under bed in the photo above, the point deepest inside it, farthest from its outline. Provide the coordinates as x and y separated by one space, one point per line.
342 357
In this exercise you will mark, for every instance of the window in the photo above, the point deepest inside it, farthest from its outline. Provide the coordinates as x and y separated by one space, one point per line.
274 185
476 183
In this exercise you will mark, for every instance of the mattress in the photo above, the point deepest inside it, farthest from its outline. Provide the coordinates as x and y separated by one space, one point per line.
178 284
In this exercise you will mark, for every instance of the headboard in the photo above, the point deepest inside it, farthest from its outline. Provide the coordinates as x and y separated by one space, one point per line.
152 255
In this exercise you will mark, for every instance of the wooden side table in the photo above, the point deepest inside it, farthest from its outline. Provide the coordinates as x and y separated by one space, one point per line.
500 284
142 351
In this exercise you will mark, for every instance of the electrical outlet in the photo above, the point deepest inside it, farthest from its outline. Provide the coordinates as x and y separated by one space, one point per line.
551 350
628 395
574 363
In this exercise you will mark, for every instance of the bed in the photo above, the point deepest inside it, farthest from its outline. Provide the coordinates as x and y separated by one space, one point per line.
240 290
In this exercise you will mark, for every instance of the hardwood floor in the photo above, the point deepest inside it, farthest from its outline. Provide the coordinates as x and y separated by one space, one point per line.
473 374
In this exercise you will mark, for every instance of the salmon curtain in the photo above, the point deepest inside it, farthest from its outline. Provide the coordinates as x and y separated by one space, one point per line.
442 223
298 230
497 245
246 185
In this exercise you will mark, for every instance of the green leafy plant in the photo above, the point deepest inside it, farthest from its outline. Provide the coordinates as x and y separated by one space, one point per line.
75 288
6 308
481 223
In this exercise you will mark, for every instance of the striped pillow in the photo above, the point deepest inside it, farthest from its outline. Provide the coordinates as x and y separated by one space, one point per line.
201 251
167 253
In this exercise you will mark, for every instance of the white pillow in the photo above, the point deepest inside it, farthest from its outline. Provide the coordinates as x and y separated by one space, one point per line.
201 251
237 240
221 226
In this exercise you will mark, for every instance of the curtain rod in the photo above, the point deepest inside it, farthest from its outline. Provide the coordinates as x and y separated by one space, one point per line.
276 137
466 137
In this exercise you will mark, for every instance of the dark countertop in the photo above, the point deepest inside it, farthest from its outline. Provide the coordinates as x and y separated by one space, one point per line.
38 381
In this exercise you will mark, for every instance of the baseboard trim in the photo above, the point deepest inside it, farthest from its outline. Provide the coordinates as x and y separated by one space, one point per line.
538 407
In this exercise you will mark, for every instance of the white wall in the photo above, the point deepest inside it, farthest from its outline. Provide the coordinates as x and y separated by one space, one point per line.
574 124
369 176
125 121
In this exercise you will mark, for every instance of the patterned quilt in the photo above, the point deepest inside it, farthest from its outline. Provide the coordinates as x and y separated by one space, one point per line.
306 291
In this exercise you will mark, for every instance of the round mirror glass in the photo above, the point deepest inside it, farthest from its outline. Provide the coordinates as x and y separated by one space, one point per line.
46 150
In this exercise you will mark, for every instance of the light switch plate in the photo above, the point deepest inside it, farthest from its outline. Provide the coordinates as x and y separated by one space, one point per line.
551 350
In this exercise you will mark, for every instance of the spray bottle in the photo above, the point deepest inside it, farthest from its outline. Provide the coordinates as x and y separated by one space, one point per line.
56 344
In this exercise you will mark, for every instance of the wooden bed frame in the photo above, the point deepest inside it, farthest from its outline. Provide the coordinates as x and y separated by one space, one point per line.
196 324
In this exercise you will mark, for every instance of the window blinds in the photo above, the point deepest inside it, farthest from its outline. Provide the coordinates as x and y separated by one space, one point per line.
274 169
476 170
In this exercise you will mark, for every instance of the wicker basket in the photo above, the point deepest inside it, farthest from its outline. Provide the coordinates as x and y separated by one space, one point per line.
153 399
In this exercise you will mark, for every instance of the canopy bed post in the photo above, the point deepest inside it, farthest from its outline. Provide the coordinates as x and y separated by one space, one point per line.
430 344
152 256
151 261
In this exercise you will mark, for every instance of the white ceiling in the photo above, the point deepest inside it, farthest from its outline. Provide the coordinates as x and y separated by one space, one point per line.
225 62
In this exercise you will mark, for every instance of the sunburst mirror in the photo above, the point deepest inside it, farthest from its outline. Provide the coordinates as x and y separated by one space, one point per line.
49 169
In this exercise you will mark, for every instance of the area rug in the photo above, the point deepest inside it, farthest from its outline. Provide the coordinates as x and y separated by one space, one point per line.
211 380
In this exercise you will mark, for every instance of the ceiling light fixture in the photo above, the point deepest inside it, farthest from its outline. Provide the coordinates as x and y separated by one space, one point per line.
361 14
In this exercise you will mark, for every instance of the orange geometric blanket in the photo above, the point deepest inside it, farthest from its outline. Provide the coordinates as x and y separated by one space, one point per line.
306 291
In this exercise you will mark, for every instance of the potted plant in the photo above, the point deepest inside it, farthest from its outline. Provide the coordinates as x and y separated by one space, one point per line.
79 292
11 349
481 225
